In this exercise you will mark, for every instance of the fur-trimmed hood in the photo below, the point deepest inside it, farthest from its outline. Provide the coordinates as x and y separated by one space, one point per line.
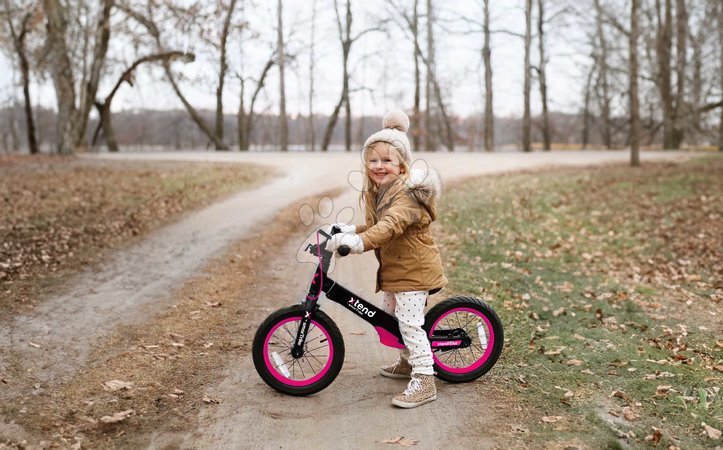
424 186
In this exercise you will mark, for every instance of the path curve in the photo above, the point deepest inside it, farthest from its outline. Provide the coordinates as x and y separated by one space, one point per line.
130 288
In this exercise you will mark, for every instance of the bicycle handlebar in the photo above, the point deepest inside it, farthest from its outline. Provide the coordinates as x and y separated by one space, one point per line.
342 250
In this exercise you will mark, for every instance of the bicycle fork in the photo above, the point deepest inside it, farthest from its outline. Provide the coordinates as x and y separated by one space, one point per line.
310 307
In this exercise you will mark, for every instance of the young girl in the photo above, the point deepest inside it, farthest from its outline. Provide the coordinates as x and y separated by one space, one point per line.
399 207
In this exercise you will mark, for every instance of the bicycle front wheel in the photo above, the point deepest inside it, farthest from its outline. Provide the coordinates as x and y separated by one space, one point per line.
315 369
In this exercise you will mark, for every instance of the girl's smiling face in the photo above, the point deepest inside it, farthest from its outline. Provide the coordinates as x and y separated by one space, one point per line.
383 164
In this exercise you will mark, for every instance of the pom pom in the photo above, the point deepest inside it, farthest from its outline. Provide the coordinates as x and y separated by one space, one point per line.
397 120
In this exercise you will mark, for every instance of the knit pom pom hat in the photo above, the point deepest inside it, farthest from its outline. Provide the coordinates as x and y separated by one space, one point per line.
394 131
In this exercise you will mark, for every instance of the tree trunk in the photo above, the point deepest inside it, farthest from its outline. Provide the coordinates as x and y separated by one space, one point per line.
417 77
72 118
720 74
312 132
223 68
663 45
107 125
681 20
526 138
430 140
586 109
346 42
19 45
634 103
489 127
62 75
602 81
543 82
283 128
241 120
245 138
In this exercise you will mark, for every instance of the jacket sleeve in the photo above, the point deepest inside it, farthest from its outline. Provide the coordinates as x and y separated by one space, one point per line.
361 228
403 212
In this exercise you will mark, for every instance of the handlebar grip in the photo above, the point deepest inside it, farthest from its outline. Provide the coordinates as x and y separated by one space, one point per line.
343 250
335 230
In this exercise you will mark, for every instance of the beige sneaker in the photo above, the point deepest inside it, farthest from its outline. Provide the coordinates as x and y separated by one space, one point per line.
400 369
420 390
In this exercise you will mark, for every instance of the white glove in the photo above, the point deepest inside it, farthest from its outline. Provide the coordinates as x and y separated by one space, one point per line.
345 228
351 240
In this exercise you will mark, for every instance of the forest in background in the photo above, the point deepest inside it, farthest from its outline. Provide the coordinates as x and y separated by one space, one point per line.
652 73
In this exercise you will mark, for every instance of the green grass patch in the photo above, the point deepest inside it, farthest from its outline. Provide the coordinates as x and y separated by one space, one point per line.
608 282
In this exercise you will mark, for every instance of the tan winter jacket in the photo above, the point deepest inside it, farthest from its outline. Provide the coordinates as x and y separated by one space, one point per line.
408 257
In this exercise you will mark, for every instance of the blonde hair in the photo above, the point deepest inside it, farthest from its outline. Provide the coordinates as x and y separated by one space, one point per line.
370 190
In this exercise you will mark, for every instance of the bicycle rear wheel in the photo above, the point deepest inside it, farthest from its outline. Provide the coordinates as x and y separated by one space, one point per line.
311 372
474 319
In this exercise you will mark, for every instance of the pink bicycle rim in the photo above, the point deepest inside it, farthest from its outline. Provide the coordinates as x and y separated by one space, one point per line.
289 381
483 358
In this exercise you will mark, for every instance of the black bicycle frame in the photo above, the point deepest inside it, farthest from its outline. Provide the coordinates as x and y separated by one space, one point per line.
386 325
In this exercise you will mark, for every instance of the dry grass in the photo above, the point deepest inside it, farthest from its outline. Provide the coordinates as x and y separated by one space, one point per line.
61 215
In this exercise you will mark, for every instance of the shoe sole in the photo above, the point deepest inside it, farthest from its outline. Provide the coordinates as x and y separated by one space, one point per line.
394 375
407 405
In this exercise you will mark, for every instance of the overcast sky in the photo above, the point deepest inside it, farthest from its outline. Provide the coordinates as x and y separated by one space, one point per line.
381 62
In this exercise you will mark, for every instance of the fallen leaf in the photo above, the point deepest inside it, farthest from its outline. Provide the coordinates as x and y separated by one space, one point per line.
33 344
559 312
662 390
712 432
212 304
404 442
587 372
629 415
117 417
208 345
574 362
551 419
209 400
655 437
117 385
555 352
620 394
177 344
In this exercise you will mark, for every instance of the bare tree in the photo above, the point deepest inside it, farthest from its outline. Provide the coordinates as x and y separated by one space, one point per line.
602 83
634 103
105 123
222 70
586 107
27 23
312 133
347 41
526 138
542 74
489 128
73 110
245 117
148 21
283 129
430 143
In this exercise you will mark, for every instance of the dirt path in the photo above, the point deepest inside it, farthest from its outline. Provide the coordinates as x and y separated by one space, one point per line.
52 343
355 411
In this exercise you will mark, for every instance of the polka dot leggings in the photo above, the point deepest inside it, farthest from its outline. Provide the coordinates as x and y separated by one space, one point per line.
409 309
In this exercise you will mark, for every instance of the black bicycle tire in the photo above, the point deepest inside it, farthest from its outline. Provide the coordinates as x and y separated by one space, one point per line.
257 351
462 301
